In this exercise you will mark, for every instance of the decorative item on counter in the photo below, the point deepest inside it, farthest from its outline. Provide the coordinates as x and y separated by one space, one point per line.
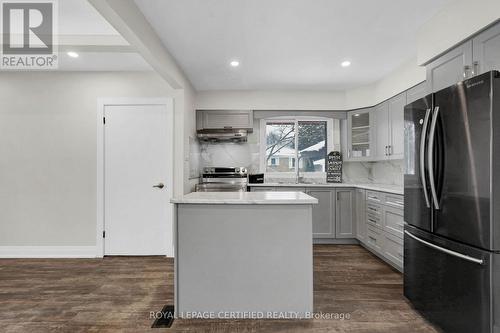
334 167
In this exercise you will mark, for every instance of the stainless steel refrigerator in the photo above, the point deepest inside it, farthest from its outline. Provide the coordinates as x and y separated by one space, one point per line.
452 206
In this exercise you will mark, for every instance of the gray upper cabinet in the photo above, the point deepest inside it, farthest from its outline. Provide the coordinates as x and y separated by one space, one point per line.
389 128
344 213
220 119
450 68
360 215
474 56
381 112
323 214
416 92
486 50
359 134
396 126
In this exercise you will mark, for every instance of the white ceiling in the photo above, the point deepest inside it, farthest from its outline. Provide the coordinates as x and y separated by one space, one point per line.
81 28
78 17
288 44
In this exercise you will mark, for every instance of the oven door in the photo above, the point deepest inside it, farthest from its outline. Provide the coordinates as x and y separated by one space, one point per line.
220 187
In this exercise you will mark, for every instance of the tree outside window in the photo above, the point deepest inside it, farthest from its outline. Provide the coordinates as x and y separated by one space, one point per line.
304 141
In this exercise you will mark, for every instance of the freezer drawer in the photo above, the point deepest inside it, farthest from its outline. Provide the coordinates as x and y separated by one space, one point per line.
448 282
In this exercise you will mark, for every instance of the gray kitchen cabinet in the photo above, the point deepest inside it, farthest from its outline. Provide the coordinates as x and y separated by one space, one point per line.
396 108
381 112
359 134
450 68
262 188
486 50
323 214
393 221
392 250
220 119
416 92
374 239
389 128
384 226
290 189
344 226
360 215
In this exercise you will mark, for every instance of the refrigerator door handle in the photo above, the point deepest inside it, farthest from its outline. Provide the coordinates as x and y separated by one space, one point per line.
447 251
430 157
422 157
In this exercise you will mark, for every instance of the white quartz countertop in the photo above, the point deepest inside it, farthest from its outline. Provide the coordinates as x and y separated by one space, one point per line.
394 189
246 198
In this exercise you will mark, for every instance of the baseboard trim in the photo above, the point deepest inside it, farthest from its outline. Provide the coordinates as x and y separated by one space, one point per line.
340 241
48 252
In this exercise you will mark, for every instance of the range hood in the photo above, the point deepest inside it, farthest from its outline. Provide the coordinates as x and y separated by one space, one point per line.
224 125
222 135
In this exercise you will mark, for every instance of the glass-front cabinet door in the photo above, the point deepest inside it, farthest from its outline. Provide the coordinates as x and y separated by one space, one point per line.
359 134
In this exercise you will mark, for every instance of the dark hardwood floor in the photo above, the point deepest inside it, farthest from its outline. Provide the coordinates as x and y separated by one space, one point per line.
117 294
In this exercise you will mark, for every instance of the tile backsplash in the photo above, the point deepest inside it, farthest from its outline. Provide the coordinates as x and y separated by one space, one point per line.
248 154
382 172
230 154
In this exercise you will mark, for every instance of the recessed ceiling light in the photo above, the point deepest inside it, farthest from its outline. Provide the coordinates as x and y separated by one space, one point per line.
356 115
72 54
346 63
234 63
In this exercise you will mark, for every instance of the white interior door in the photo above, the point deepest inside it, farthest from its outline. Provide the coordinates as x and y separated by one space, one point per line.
138 157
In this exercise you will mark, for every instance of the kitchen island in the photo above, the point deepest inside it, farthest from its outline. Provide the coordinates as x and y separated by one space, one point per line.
243 255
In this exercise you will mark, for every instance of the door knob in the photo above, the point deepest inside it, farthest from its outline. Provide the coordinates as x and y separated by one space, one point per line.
160 186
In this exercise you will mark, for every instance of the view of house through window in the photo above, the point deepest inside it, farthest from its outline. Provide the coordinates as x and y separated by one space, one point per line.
304 141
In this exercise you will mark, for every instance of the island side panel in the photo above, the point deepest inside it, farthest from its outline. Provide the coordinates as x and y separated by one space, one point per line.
244 258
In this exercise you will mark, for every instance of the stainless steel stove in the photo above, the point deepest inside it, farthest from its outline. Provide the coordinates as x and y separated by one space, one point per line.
222 179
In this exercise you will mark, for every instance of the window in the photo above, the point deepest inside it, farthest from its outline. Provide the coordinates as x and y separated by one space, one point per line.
306 140
273 161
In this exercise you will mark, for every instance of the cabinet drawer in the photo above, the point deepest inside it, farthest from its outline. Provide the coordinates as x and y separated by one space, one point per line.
374 238
374 220
394 200
394 221
373 208
393 250
261 189
373 196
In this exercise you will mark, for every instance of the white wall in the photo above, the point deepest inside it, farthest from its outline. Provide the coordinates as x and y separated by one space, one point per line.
404 77
48 151
456 22
269 99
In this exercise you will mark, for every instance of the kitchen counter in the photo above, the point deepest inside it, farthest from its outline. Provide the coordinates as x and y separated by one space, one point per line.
243 252
394 189
246 198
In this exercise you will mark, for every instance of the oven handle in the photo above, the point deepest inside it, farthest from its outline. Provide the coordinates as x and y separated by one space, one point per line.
447 251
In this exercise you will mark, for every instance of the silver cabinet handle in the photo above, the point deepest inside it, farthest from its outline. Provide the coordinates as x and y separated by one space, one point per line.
475 68
430 157
422 157
467 71
160 186
447 251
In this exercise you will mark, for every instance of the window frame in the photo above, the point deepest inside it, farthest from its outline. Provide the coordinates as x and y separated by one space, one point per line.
295 120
